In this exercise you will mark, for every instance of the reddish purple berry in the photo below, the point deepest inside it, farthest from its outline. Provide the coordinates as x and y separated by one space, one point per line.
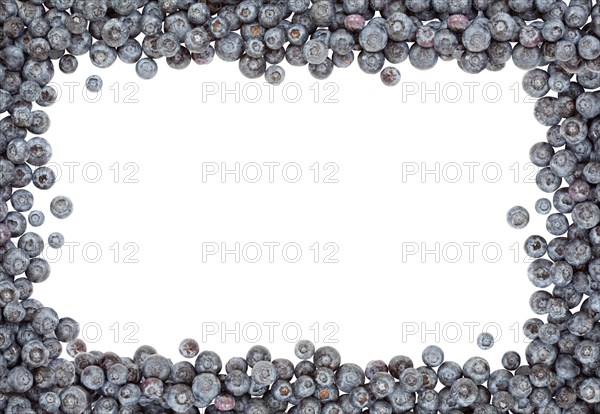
354 22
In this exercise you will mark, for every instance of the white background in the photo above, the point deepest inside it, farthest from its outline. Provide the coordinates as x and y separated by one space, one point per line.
168 129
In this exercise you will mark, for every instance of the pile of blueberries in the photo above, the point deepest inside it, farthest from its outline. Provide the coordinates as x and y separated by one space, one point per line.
560 374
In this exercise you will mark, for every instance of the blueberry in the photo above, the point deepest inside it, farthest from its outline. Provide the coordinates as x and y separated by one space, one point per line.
502 27
264 373
20 379
274 57
67 64
543 206
39 151
49 401
197 40
381 384
219 27
322 70
56 240
93 83
180 398
17 151
535 83
198 13
297 34
586 215
73 399
208 361
146 68
399 27
477 369
275 74
315 51
411 380
205 388
589 390
485 340
464 392
588 105
61 207
237 364
67 330
304 349
237 383
252 68
304 386
322 12
375 366
349 376
75 347
535 246
35 218
557 224
517 217
156 366
31 243
574 130
22 200
15 262
102 55
189 348
476 37
374 37
390 76
180 60
130 51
